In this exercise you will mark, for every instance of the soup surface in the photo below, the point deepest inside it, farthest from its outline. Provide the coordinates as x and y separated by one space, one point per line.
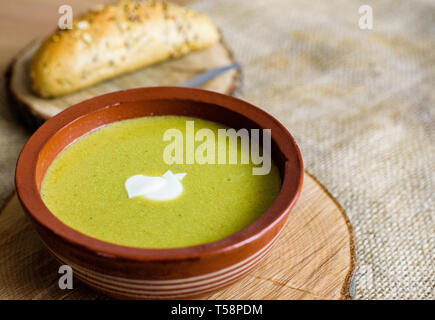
85 188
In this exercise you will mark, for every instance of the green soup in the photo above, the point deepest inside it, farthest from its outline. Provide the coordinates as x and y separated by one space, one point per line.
84 188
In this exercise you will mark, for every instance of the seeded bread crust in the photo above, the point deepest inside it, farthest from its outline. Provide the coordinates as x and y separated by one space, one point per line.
116 39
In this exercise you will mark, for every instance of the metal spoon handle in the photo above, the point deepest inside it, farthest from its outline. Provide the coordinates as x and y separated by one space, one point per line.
208 75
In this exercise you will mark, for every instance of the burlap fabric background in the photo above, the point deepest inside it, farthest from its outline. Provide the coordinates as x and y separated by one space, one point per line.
361 106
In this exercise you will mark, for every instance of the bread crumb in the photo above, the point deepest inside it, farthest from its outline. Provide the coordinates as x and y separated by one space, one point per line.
82 25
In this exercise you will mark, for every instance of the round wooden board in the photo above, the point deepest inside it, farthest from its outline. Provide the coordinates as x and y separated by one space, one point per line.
34 110
313 259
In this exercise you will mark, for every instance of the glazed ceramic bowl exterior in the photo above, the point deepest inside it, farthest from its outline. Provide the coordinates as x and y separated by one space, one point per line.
128 272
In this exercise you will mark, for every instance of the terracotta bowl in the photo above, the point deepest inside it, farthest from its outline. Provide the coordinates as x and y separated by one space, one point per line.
127 272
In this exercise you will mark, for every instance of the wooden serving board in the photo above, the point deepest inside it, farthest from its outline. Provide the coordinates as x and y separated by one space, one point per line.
313 259
35 110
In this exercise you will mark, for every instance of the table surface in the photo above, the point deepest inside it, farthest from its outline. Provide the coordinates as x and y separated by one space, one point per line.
359 103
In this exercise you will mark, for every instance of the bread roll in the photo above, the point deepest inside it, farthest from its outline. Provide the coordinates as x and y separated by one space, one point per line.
116 39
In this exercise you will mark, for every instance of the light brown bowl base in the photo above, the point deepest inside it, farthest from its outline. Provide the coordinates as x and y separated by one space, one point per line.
313 258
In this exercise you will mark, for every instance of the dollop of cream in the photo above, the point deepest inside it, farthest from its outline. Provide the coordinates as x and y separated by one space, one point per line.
166 187
139 185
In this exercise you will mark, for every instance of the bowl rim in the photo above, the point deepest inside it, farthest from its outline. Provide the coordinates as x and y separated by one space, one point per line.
29 195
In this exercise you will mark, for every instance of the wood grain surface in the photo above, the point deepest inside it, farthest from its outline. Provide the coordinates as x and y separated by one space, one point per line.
313 259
